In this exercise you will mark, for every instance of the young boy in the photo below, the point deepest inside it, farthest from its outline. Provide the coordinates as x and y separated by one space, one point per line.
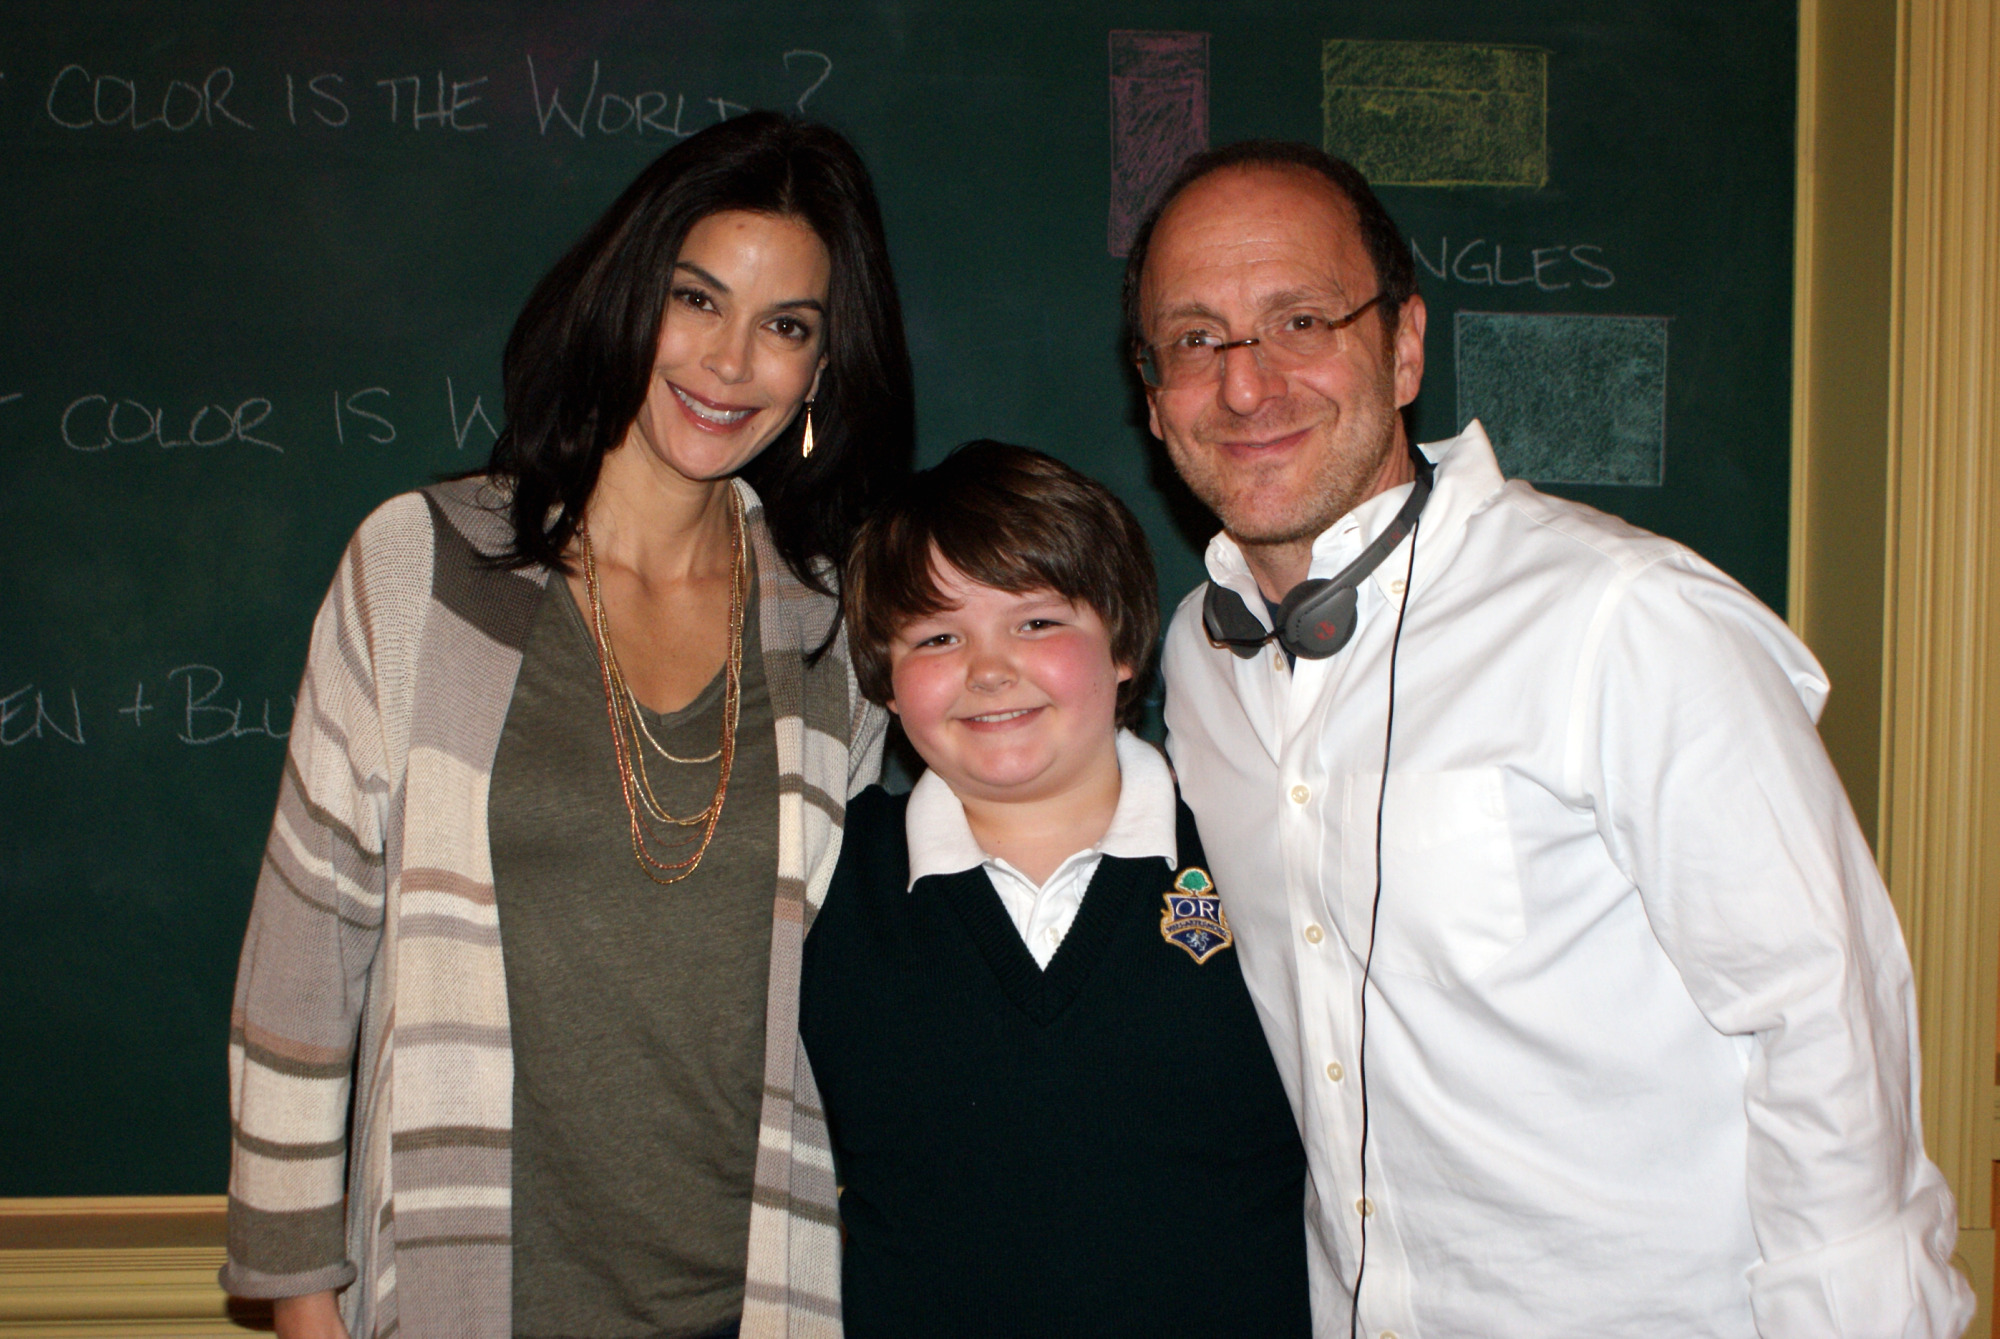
1052 1108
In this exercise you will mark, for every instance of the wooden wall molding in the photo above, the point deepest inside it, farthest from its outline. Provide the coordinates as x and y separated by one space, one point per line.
1941 657
117 1266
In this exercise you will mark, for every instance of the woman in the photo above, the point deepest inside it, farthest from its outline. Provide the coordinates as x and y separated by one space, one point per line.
592 706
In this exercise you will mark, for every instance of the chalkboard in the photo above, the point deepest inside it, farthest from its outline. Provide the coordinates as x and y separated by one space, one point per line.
259 261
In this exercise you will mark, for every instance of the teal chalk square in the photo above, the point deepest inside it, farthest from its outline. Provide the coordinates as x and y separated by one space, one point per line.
1567 399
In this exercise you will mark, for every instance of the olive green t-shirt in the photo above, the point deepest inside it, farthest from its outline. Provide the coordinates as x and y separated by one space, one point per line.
637 1010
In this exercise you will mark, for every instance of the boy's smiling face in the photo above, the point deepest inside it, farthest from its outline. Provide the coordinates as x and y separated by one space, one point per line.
1011 697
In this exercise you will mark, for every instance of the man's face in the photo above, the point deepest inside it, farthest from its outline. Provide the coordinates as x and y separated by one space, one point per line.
1278 452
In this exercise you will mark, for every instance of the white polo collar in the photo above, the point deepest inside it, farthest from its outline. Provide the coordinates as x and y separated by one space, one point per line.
1142 826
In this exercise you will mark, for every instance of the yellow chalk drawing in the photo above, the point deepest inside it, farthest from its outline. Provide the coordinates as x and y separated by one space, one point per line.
1438 113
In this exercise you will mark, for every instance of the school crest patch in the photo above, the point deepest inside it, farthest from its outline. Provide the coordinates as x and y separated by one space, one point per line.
1193 919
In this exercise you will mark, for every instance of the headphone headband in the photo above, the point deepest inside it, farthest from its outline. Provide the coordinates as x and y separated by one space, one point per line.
1317 617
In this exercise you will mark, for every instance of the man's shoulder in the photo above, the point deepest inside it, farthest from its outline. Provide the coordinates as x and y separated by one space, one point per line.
1547 529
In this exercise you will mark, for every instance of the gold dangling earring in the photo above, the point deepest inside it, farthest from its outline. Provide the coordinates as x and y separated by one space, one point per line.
806 443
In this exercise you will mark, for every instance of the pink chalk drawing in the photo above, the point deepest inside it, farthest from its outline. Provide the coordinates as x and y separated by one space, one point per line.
1159 115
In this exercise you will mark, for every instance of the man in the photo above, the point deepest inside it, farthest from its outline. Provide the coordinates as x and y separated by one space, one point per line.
1636 1051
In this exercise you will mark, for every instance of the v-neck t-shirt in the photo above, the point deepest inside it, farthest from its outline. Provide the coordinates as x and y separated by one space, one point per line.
636 1010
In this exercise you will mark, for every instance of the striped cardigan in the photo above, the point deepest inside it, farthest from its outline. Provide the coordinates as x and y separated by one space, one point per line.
371 972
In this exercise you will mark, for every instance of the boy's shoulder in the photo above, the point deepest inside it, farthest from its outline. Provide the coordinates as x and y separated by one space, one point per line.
874 812
874 843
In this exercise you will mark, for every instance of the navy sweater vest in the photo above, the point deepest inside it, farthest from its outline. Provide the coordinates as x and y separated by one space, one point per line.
1101 1148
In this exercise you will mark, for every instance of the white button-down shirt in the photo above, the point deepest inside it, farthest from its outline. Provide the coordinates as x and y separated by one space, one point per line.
1142 826
1641 1039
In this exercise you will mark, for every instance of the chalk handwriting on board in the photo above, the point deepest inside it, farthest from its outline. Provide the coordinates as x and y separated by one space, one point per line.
826 68
205 721
92 423
445 108
79 100
602 111
140 706
192 705
323 92
98 422
460 429
15 708
383 433
1485 264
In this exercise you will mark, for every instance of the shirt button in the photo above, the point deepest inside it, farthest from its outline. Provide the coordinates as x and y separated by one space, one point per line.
1335 1072
1396 587
1300 794
1314 934
1277 660
1365 1207
1388 1334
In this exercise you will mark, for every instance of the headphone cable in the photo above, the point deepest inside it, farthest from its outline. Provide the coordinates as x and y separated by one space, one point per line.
1363 1208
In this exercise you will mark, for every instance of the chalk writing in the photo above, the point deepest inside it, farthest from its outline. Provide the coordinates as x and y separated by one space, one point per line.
460 429
1159 115
1567 398
140 706
14 708
382 434
1549 268
206 721
445 108
323 90
1437 113
98 422
79 100
602 111
826 68
10 398
195 712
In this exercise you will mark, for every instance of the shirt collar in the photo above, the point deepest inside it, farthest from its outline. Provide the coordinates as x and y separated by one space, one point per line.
1142 826
1467 477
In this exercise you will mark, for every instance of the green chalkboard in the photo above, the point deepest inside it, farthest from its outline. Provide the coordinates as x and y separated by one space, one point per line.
257 263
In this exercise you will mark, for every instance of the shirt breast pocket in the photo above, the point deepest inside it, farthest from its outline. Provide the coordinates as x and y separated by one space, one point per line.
1451 890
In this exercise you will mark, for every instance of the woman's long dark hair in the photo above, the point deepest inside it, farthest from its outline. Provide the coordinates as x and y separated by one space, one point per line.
579 362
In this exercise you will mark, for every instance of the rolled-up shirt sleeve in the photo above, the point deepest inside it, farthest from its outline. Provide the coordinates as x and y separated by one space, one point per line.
1695 738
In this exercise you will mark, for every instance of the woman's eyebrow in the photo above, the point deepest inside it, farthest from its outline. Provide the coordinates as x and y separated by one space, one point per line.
810 304
701 274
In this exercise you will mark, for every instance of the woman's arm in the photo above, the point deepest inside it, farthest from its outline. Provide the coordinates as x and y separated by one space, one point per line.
314 1316
315 927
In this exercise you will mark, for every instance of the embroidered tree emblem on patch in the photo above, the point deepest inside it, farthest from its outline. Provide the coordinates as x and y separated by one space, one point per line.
1193 919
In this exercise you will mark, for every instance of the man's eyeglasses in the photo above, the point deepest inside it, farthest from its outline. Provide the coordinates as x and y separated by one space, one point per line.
1294 340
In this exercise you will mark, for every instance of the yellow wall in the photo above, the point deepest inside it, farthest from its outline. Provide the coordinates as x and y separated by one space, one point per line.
1896 507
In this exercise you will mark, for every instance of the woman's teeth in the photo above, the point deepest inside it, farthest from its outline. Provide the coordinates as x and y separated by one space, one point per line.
719 417
995 717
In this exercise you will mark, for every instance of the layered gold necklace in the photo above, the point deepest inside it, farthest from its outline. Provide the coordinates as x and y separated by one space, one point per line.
629 734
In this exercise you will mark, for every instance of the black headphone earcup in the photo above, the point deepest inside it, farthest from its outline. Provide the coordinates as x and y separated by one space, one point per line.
1229 622
1320 624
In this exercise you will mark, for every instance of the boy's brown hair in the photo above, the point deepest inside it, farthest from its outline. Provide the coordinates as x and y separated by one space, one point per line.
1012 519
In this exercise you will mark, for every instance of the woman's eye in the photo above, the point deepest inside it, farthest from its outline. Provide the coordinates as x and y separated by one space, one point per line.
791 328
694 298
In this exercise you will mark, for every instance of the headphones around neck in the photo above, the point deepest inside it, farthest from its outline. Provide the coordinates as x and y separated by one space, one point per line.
1317 617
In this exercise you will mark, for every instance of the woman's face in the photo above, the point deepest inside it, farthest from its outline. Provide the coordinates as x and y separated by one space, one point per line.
741 345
